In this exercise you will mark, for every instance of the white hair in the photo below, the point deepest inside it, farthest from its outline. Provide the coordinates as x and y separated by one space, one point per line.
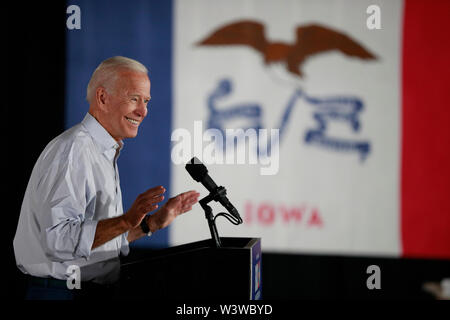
107 71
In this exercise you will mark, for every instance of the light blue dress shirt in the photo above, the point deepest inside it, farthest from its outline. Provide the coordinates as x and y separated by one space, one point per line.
74 184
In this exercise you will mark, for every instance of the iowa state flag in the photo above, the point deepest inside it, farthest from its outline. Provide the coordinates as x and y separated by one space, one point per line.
356 94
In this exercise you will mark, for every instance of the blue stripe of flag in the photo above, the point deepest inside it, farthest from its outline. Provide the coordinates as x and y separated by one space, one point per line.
142 30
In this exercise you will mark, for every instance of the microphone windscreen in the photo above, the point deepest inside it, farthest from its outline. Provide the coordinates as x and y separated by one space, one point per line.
196 169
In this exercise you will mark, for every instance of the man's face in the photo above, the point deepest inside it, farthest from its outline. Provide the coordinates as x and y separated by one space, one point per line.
126 105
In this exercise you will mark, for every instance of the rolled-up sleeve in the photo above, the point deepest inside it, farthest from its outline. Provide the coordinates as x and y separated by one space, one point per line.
66 234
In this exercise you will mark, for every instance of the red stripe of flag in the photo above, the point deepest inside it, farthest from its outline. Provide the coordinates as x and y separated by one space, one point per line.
425 164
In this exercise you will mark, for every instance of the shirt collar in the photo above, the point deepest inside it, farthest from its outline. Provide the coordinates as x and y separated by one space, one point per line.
101 137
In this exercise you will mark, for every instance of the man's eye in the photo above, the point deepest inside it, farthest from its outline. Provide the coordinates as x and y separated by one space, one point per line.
134 99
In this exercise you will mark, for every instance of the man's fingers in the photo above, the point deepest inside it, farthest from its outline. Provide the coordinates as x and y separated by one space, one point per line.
186 209
173 202
145 202
191 201
151 208
154 192
190 198
187 194
183 200
193 198
154 200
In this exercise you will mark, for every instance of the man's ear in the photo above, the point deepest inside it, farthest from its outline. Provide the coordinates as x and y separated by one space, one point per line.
101 97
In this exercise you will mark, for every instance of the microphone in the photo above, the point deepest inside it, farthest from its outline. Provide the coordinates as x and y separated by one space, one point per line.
199 173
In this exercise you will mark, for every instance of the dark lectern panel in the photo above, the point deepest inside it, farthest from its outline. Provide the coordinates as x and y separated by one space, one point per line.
194 270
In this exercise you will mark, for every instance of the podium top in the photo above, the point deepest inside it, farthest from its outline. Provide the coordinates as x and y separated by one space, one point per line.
228 244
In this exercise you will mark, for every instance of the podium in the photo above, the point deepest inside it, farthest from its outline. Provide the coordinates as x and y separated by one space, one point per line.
197 270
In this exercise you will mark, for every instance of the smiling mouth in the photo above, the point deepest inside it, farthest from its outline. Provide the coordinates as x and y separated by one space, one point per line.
132 121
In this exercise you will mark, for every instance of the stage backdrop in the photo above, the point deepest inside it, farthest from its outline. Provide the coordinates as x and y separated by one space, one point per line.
346 125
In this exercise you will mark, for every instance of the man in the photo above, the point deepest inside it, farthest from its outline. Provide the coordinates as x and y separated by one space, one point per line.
72 212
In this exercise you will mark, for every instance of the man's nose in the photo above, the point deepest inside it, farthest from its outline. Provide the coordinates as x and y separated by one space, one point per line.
142 109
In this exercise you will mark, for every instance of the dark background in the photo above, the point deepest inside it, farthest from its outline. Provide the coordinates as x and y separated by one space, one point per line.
35 115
